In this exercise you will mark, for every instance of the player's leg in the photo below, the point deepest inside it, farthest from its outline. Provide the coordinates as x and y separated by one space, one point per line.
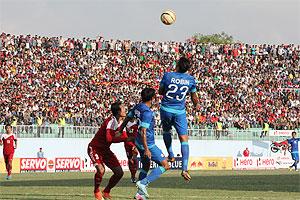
145 165
100 170
296 165
181 128
8 164
6 161
132 153
295 157
133 164
112 162
158 157
166 121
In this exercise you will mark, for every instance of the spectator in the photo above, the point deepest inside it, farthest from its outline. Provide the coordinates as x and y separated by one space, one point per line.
40 153
48 76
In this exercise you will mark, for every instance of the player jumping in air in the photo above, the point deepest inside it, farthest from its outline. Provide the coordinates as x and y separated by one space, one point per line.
9 141
145 142
295 153
100 153
174 87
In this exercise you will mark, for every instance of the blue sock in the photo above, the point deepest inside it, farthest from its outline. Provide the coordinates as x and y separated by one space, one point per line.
168 142
155 174
185 155
143 174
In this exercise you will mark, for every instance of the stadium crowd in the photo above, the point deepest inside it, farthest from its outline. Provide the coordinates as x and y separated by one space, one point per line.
47 79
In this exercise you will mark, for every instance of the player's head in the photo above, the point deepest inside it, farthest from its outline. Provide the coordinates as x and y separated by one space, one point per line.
8 128
118 109
147 94
183 65
294 134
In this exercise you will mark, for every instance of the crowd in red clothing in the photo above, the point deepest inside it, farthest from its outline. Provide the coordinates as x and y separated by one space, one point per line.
240 85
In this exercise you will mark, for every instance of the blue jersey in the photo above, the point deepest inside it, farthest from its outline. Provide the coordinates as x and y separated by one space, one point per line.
294 143
145 117
177 86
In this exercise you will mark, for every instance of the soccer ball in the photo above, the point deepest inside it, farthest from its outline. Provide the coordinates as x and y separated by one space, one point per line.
140 197
168 17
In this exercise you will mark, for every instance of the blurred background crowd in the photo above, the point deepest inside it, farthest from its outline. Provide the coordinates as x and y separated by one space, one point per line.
48 80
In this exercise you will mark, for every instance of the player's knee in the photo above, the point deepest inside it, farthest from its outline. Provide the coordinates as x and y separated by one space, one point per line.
100 170
183 138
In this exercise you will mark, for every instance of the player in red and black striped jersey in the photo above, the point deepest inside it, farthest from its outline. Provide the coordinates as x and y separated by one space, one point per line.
131 150
9 142
100 153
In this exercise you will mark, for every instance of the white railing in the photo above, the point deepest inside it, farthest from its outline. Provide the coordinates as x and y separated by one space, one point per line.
55 131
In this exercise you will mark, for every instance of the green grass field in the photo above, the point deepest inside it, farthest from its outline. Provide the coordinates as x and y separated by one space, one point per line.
272 184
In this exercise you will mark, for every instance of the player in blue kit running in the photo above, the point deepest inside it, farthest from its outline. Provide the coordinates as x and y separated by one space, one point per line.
145 142
295 153
174 87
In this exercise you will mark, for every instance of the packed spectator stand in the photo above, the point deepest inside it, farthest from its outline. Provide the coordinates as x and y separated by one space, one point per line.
48 80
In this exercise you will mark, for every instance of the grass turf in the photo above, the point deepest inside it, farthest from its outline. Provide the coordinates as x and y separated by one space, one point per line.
240 185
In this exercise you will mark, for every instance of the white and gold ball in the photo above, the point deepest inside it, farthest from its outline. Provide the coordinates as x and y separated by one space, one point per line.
168 17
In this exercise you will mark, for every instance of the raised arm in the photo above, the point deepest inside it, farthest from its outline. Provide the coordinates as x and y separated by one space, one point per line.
130 116
195 100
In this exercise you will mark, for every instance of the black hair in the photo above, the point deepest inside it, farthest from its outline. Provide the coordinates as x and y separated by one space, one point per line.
8 125
183 65
294 132
147 94
116 108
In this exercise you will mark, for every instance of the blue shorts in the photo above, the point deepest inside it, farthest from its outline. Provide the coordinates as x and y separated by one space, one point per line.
295 156
156 155
179 122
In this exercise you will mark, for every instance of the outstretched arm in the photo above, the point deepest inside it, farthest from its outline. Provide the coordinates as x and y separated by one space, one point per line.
123 125
111 136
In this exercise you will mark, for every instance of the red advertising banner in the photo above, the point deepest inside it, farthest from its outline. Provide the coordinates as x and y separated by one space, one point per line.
67 164
33 164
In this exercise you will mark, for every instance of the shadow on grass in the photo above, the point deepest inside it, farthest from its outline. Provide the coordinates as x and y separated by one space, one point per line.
276 183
